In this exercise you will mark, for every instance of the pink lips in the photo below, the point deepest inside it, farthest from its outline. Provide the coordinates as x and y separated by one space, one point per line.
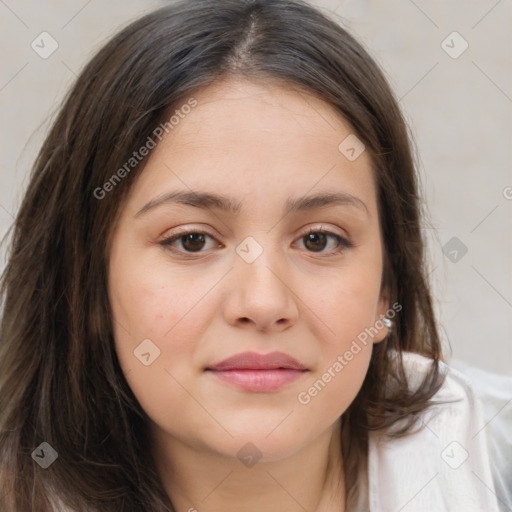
258 372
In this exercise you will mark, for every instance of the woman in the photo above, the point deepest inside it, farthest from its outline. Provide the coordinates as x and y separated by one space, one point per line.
216 297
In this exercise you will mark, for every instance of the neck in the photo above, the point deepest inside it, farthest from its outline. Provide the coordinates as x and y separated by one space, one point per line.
205 481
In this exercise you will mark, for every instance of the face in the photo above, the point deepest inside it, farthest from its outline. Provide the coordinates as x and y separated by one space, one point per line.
248 231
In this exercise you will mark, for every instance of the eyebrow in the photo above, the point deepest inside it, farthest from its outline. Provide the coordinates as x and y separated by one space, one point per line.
207 200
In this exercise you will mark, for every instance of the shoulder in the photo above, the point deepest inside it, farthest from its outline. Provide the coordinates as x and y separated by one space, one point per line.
494 393
444 465
456 395
455 385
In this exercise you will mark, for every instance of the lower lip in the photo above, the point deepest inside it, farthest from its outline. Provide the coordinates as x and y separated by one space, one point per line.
260 381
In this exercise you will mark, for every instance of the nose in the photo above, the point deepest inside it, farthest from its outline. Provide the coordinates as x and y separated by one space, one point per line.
260 296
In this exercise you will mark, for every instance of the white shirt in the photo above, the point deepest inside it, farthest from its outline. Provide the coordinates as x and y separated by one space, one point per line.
443 467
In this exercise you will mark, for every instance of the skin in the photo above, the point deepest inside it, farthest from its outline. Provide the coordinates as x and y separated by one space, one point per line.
258 143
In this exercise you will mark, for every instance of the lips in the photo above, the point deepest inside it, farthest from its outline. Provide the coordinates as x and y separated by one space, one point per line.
255 361
260 373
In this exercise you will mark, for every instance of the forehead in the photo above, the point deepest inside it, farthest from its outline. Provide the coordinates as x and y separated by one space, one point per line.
235 109
245 138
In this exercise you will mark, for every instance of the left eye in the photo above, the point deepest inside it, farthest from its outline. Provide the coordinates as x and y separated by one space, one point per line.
317 241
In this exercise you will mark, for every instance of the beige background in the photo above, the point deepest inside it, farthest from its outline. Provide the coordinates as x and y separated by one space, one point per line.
459 109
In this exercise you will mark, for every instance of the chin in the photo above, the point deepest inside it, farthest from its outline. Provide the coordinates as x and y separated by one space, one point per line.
252 449
265 444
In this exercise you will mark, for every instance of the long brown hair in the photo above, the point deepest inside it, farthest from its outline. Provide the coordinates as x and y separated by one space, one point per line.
60 380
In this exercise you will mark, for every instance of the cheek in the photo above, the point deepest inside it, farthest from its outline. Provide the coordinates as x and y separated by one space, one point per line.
344 355
346 307
156 324
347 304
150 299
330 391
172 319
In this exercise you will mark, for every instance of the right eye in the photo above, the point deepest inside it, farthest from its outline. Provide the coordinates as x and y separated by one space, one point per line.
190 241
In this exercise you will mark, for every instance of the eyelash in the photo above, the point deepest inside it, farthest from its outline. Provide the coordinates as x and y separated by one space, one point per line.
342 245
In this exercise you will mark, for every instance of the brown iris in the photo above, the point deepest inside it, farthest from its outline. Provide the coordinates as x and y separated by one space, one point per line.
315 241
193 241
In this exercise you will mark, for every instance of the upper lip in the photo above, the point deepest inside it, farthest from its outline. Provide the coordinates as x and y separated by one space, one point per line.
255 361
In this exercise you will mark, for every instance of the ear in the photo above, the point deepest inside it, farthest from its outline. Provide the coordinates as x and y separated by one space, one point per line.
382 308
